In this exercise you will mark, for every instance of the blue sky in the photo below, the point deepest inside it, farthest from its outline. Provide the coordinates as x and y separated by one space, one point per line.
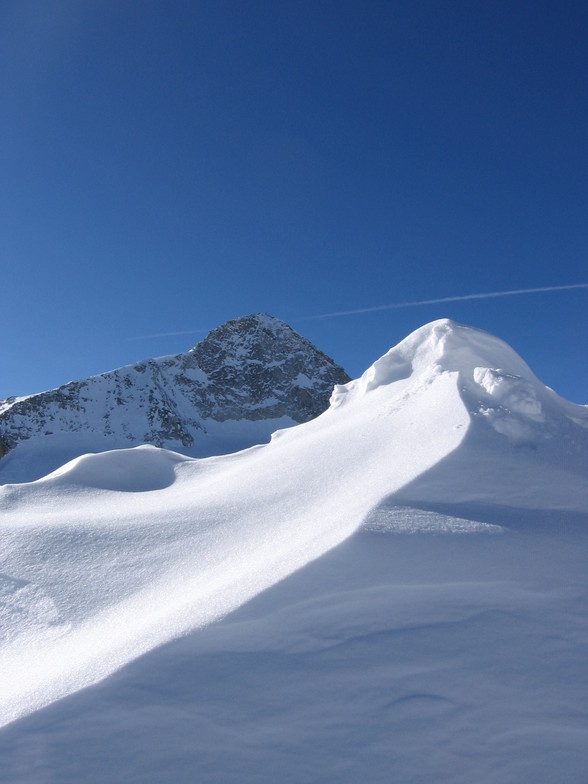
169 165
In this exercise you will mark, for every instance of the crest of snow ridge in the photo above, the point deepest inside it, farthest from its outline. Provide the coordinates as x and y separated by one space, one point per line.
495 384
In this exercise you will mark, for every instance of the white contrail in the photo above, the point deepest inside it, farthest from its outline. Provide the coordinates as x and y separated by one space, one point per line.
485 295
393 306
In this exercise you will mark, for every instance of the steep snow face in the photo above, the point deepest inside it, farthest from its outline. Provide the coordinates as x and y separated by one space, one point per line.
524 443
232 390
441 346
496 385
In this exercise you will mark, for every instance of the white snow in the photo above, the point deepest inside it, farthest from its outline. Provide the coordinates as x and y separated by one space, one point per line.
403 584
39 455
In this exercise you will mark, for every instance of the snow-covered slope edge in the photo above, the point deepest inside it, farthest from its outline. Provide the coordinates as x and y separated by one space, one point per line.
116 553
526 447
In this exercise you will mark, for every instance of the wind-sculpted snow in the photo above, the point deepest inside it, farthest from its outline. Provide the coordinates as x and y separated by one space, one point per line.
524 443
129 570
116 553
128 470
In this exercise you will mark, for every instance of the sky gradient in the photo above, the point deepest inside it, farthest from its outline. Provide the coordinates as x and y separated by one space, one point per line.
171 165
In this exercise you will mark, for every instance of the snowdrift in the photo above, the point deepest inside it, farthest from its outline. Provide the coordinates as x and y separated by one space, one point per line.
116 553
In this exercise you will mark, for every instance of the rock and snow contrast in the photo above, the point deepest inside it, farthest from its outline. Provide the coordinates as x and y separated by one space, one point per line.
246 379
394 590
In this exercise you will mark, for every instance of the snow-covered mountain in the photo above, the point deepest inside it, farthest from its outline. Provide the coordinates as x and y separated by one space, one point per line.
393 590
246 379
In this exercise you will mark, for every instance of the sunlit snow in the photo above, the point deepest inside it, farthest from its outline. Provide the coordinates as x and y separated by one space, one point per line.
396 530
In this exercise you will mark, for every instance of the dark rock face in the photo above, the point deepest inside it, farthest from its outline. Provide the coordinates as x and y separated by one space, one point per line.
253 369
259 368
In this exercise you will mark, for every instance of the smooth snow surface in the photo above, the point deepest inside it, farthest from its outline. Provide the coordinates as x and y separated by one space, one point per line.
449 438
423 658
39 455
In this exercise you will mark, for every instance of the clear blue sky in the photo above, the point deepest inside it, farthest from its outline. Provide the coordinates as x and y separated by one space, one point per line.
169 165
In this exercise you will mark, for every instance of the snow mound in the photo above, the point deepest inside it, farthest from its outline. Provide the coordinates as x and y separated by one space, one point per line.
495 383
135 470
441 346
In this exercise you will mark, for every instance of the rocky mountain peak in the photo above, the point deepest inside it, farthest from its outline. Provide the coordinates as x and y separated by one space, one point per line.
257 337
245 379
258 367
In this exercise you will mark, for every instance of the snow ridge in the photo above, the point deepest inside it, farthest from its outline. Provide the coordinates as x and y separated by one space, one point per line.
495 383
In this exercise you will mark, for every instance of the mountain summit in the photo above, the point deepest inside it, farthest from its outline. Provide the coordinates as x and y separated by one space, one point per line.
247 378
519 439
257 367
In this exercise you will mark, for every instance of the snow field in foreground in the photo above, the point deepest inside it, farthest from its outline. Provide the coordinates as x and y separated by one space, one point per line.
421 658
122 572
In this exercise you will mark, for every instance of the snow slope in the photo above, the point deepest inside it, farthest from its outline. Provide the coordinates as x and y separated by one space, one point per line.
412 658
114 554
